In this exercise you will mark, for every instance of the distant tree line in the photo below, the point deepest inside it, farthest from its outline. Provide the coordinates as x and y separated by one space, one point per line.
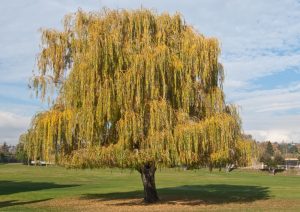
274 154
13 153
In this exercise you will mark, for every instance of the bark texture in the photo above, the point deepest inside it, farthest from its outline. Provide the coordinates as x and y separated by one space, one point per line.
148 178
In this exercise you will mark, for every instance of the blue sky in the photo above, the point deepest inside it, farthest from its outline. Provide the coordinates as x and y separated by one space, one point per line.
260 42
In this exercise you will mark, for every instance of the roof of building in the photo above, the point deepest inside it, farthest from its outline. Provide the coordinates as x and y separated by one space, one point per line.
291 159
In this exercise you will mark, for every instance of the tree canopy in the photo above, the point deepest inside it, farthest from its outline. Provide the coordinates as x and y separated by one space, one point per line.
133 88
269 149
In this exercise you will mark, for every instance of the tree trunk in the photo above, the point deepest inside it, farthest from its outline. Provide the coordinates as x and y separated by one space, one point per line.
148 178
210 167
230 167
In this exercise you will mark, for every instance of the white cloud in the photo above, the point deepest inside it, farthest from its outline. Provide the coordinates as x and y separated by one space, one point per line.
11 126
271 114
270 100
277 135
245 68
8 119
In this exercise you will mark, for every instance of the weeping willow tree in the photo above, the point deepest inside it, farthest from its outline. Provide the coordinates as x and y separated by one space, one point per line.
134 89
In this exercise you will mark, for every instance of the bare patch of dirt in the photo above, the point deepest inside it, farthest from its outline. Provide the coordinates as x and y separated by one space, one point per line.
132 205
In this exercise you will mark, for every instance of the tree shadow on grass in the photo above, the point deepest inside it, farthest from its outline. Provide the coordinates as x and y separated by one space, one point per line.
12 187
192 195
9 203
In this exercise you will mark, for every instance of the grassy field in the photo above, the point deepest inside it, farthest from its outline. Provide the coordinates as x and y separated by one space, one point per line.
24 188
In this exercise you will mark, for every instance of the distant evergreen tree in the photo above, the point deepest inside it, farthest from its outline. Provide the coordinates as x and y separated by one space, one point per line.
4 153
269 149
2 157
4 148
265 158
279 160
292 149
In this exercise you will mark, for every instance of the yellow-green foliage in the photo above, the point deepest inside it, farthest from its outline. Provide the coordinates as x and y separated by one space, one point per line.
133 87
247 152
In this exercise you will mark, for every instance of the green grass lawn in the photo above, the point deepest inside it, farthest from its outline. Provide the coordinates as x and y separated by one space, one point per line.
29 188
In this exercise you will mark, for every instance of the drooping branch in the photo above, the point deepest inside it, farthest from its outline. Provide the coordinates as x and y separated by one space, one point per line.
133 87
